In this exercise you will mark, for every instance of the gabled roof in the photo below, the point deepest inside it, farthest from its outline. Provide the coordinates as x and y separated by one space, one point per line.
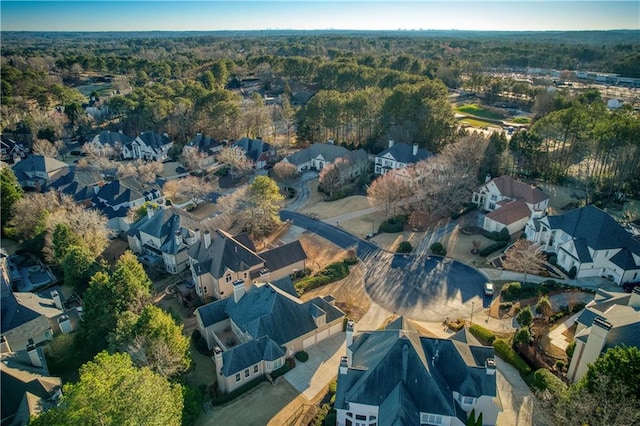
404 153
203 143
127 190
253 148
329 152
510 213
397 364
265 310
250 353
596 228
282 256
154 140
38 163
78 184
516 190
163 224
224 252
107 137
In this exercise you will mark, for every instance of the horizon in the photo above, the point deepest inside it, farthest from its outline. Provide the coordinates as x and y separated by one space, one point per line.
319 15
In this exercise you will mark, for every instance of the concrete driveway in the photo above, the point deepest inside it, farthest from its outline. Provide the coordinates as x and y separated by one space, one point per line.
310 378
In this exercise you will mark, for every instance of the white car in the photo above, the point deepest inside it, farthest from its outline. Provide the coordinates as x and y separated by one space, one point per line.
488 289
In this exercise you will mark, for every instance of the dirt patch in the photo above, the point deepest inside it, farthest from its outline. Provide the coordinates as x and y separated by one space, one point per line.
320 252
205 210
114 250
324 210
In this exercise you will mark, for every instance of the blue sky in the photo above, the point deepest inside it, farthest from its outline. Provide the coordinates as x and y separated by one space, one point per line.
112 15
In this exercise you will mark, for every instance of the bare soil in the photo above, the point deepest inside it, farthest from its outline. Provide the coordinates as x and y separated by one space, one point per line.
114 250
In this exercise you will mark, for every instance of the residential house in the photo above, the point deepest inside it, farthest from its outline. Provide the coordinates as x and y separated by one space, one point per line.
256 150
205 146
509 203
318 155
148 146
397 376
80 185
20 134
107 141
399 155
37 171
11 150
27 387
115 198
591 241
253 332
218 262
164 235
610 320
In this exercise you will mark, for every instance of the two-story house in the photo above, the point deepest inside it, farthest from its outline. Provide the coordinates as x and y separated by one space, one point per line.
255 150
397 376
253 332
150 146
591 241
205 146
80 185
11 150
37 171
318 155
610 320
509 203
107 142
399 155
218 262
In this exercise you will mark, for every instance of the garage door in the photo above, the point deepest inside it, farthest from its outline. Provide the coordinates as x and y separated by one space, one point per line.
322 335
335 329
308 342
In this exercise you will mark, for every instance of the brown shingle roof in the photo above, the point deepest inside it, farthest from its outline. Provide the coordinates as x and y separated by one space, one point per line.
519 190
510 213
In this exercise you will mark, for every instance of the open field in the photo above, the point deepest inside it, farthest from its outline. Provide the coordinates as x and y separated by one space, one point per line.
324 210
479 111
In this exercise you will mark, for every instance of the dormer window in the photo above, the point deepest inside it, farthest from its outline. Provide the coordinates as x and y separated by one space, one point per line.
228 278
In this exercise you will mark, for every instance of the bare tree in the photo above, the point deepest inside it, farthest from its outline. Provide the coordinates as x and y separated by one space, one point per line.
285 173
522 257
171 188
236 160
46 148
147 172
388 191
330 178
194 188
193 158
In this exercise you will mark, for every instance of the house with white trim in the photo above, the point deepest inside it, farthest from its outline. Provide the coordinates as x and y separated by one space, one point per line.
509 203
253 332
319 155
149 146
107 142
399 155
397 376
37 171
205 146
591 241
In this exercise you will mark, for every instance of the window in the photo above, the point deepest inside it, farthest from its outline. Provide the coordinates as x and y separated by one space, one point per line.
494 197
348 422
237 377
245 275
430 419
228 278
246 373
492 206
468 400
378 160
255 369
360 417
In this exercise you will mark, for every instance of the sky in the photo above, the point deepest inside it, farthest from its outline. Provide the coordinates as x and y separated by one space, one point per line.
502 15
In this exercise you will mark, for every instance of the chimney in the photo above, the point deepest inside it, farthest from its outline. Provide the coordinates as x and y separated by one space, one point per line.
238 290
349 333
120 131
206 236
178 236
490 366
4 345
197 234
150 211
634 300
487 178
56 299
344 365
390 143
217 357
415 149
34 355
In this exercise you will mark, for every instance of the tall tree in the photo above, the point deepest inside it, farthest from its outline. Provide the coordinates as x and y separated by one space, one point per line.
285 173
11 192
388 191
78 265
330 178
523 257
236 160
112 391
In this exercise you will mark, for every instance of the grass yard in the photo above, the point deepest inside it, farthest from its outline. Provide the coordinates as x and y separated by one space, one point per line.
473 122
324 210
479 111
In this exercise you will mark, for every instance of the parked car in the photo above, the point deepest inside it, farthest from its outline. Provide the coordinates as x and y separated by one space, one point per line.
488 289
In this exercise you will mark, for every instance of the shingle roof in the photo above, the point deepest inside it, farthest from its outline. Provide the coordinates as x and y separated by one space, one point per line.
328 151
250 353
510 212
253 148
224 252
38 163
78 184
404 153
596 228
127 190
282 256
204 143
154 140
519 191
107 137
164 224
421 372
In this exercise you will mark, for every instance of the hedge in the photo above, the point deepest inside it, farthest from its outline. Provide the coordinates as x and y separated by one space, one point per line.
506 352
503 235
493 247
485 336
333 272
391 227
544 379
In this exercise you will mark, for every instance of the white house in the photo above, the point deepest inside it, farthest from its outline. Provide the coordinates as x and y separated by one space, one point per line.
396 376
611 319
205 146
399 155
591 241
318 155
150 146
113 141
509 203
253 332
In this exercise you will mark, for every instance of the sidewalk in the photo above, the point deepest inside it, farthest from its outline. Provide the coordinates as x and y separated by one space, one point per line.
593 283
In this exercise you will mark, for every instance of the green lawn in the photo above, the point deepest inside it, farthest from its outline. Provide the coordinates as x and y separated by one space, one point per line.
521 120
476 122
478 111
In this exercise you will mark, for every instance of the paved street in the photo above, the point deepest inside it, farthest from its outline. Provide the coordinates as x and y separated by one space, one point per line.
302 190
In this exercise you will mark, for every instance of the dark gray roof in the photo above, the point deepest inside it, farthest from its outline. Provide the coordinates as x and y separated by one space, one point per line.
286 284
107 137
265 310
163 224
328 151
250 353
38 163
244 239
224 252
404 153
624 259
78 184
253 148
127 190
420 372
282 256
204 144
596 228
583 251
154 140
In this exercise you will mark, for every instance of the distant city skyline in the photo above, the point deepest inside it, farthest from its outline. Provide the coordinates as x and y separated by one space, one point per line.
208 15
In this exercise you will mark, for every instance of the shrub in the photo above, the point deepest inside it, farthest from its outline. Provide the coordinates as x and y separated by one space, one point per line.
331 419
525 316
485 336
506 352
469 207
511 290
302 356
560 364
570 349
544 379
493 247
391 226
201 346
572 272
523 335
578 307
504 234
196 335
553 259
281 371
506 305
350 261
404 247
438 248
333 272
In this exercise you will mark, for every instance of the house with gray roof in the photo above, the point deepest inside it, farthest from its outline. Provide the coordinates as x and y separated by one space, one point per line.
318 155
253 332
255 150
396 376
11 150
611 319
205 146
149 146
398 156
37 171
591 241
218 260
107 142
80 185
